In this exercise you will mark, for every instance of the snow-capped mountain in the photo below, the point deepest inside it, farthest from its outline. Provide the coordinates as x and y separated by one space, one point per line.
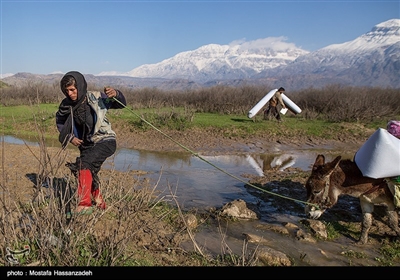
211 62
373 59
384 34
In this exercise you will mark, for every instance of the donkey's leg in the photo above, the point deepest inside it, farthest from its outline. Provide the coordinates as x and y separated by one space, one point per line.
394 221
366 226
367 209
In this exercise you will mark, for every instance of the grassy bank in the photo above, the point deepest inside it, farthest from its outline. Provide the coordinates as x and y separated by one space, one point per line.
30 121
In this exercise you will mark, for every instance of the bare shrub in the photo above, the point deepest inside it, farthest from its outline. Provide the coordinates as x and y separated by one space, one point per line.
38 92
338 103
333 103
104 238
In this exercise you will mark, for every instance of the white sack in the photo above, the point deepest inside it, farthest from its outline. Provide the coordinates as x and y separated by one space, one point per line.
253 111
290 104
379 156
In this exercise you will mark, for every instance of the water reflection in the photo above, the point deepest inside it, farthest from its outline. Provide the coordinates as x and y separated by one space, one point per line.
198 183
271 162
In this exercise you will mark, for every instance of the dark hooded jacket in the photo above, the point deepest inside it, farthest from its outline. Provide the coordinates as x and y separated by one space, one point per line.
86 118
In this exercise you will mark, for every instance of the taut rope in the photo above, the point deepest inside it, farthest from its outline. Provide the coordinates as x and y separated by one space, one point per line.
203 159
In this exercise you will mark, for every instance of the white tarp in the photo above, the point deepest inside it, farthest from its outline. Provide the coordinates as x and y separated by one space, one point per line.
379 156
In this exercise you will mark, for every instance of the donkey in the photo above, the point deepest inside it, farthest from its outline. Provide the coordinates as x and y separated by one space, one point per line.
339 177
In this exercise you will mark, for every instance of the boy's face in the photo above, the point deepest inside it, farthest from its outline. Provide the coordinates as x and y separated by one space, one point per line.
72 92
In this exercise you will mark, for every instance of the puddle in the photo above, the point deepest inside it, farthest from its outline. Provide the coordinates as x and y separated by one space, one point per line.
209 181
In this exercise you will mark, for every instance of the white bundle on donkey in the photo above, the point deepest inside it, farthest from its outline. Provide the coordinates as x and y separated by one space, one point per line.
379 157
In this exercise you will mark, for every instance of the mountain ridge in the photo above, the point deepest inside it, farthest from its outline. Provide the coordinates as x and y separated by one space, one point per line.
372 59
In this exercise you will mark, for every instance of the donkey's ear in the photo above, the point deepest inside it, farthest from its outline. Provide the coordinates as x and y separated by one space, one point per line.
319 161
330 166
335 162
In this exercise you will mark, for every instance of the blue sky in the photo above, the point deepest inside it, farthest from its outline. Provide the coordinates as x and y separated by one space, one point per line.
44 37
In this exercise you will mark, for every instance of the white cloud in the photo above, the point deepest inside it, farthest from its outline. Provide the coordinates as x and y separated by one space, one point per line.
275 43
237 42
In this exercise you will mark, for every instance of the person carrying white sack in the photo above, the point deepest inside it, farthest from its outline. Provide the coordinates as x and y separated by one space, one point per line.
273 105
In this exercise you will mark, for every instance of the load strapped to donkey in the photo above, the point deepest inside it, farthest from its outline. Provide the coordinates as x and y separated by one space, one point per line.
379 157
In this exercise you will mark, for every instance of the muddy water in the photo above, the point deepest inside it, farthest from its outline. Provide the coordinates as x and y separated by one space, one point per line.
209 181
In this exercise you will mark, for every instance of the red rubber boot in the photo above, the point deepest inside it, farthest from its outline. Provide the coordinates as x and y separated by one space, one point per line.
98 199
84 188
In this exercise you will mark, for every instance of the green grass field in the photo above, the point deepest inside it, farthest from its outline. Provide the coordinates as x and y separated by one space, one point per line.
27 121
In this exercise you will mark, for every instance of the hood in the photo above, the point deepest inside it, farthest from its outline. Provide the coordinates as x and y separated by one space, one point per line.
81 84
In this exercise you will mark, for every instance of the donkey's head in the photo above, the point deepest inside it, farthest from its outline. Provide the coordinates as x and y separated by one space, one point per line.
319 189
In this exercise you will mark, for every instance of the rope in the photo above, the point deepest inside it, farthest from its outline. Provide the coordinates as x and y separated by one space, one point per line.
210 163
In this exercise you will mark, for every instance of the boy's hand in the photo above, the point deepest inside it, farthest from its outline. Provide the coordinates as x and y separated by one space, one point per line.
76 141
110 92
